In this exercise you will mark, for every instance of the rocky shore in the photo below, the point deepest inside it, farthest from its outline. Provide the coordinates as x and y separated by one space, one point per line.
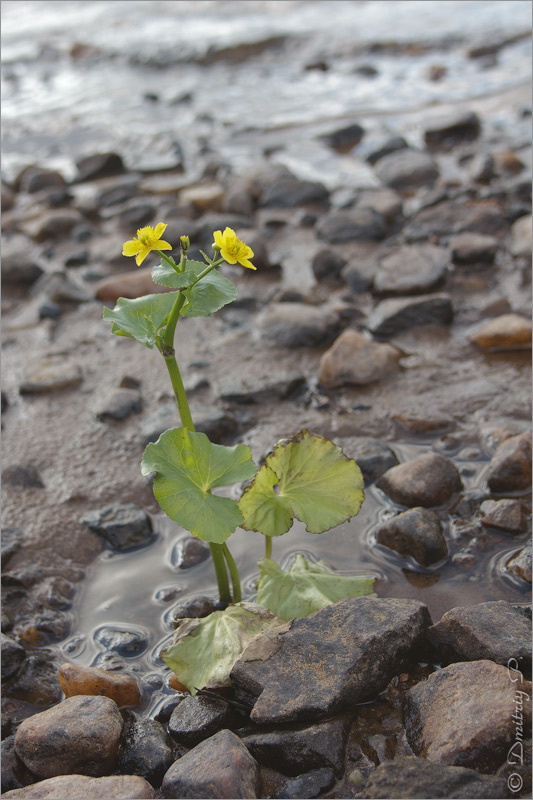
397 309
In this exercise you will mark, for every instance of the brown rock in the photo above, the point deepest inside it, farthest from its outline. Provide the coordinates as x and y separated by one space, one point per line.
429 480
505 515
417 533
521 564
354 359
521 236
48 374
80 735
54 224
203 197
510 466
119 686
467 715
130 284
510 331
73 787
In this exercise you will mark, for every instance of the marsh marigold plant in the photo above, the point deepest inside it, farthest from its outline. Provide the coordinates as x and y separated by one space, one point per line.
148 239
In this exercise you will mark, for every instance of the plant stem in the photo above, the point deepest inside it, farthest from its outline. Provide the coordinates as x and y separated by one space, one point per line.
217 554
234 573
179 390
268 546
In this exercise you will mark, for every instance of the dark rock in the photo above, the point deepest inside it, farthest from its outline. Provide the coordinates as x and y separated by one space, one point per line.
417 533
36 683
5 401
377 150
510 467
120 404
7 725
428 480
13 656
58 288
517 771
50 310
26 477
122 526
297 325
197 718
385 202
34 179
417 778
50 625
264 390
219 767
14 774
473 248
54 225
217 424
298 750
194 607
19 264
79 258
505 515
398 314
123 642
406 169
327 265
344 139
72 787
521 564
452 217
449 129
412 270
146 749
189 552
313 784
357 646
495 631
372 456
358 224
359 274
119 193
101 165
291 193
136 216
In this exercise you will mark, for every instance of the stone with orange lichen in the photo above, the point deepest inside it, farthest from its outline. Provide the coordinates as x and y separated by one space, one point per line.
120 687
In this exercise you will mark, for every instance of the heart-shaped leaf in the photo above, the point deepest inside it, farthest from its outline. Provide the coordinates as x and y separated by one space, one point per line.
208 295
305 588
140 317
188 466
204 651
306 477
165 275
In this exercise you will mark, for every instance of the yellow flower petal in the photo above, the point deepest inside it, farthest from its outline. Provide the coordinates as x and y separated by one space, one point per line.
131 248
218 238
160 228
148 239
163 246
142 255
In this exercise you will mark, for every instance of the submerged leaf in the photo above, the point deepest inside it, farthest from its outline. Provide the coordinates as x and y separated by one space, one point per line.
306 477
188 466
305 587
204 651
140 317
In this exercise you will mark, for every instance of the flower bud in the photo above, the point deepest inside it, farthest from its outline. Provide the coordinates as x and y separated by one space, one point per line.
185 243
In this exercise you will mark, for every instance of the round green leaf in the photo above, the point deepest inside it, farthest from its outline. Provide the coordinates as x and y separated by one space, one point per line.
188 466
164 275
140 317
306 477
208 295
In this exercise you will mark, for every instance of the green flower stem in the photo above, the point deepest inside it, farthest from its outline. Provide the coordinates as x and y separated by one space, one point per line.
268 546
217 555
179 390
234 573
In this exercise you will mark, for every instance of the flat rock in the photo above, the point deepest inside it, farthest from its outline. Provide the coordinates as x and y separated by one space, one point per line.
451 217
505 515
100 165
203 197
80 735
359 274
372 456
406 169
356 646
36 682
297 325
507 332
412 270
198 718
510 466
411 777
521 564
146 750
132 284
355 360
126 643
307 786
54 225
290 192
496 631
357 224
449 129
428 480
23 476
73 787
119 686
466 715
50 374
416 533
277 387
398 314
219 767
473 248
299 750
122 526
521 236
120 404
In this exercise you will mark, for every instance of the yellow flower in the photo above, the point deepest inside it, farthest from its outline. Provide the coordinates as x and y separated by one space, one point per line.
148 239
232 249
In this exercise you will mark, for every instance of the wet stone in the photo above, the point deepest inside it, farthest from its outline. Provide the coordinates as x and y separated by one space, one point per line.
120 687
72 787
416 533
327 265
428 480
452 217
294 325
495 631
376 149
50 374
194 608
23 476
462 715
510 331
357 645
13 656
146 750
398 314
80 735
449 129
358 224
122 526
101 165
291 193
521 564
54 225
264 390
120 404
343 139
521 236
406 169
372 456
416 777
14 773
219 767
505 515
299 750
36 682
359 275
197 718
19 265
128 644
355 360
310 785
12 539
473 248
412 270
189 552
510 467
